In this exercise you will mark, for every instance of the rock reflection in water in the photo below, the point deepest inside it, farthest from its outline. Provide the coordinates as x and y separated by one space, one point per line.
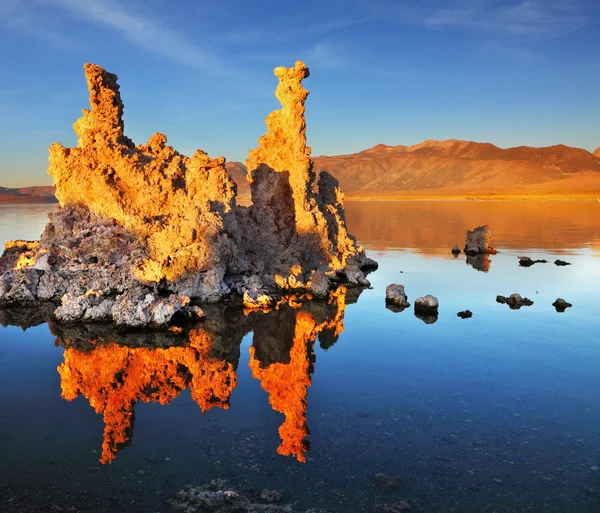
115 370
481 262
114 377
287 380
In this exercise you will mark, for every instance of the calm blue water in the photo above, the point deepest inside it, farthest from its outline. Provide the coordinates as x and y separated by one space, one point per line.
497 413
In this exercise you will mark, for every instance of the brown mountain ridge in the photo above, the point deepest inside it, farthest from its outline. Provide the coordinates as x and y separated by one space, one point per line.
436 169
41 194
455 168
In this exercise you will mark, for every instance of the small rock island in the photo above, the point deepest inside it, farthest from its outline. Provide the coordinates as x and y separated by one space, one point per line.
144 234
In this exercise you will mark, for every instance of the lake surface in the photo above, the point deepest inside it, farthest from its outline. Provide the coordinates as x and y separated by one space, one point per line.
497 413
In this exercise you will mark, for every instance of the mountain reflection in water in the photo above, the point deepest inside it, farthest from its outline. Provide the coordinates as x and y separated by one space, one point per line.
114 370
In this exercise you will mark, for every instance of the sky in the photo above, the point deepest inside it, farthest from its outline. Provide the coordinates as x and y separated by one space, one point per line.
510 72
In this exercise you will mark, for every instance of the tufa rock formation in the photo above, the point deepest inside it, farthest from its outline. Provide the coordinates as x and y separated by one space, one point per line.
478 242
143 232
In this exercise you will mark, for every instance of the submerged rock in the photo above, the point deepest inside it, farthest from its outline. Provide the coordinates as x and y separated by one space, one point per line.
561 262
392 507
561 305
514 301
478 241
143 231
385 483
219 497
395 296
525 261
465 314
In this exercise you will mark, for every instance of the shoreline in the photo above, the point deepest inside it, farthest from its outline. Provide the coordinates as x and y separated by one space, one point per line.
245 200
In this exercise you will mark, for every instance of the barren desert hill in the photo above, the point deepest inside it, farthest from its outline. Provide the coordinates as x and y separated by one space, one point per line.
597 152
40 194
237 172
463 167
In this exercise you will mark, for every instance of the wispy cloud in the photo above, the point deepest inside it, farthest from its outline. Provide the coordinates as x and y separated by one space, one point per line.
21 16
144 31
327 55
322 54
527 19
279 33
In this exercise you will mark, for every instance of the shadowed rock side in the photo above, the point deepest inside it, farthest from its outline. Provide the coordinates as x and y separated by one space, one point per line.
114 370
143 230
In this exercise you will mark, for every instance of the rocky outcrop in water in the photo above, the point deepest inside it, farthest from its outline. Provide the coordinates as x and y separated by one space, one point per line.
478 241
514 301
427 304
561 263
144 232
561 305
396 296
525 261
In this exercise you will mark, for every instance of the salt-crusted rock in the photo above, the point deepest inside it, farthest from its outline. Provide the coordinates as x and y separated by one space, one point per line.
145 227
395 295
134 308
478 241
426 304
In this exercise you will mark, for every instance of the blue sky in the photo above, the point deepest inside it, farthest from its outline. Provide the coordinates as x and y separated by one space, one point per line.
509 72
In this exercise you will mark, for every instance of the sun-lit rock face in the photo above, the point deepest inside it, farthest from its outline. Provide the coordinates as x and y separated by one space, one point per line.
142 231
313 223
178 206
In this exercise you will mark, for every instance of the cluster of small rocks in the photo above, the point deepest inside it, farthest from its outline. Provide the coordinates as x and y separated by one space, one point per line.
219 497
514 301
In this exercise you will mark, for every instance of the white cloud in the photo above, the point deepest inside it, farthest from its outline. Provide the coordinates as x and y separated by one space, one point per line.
144 31
527 19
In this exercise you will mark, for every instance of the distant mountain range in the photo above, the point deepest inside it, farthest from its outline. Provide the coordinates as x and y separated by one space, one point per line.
42 194
460 169
435 169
